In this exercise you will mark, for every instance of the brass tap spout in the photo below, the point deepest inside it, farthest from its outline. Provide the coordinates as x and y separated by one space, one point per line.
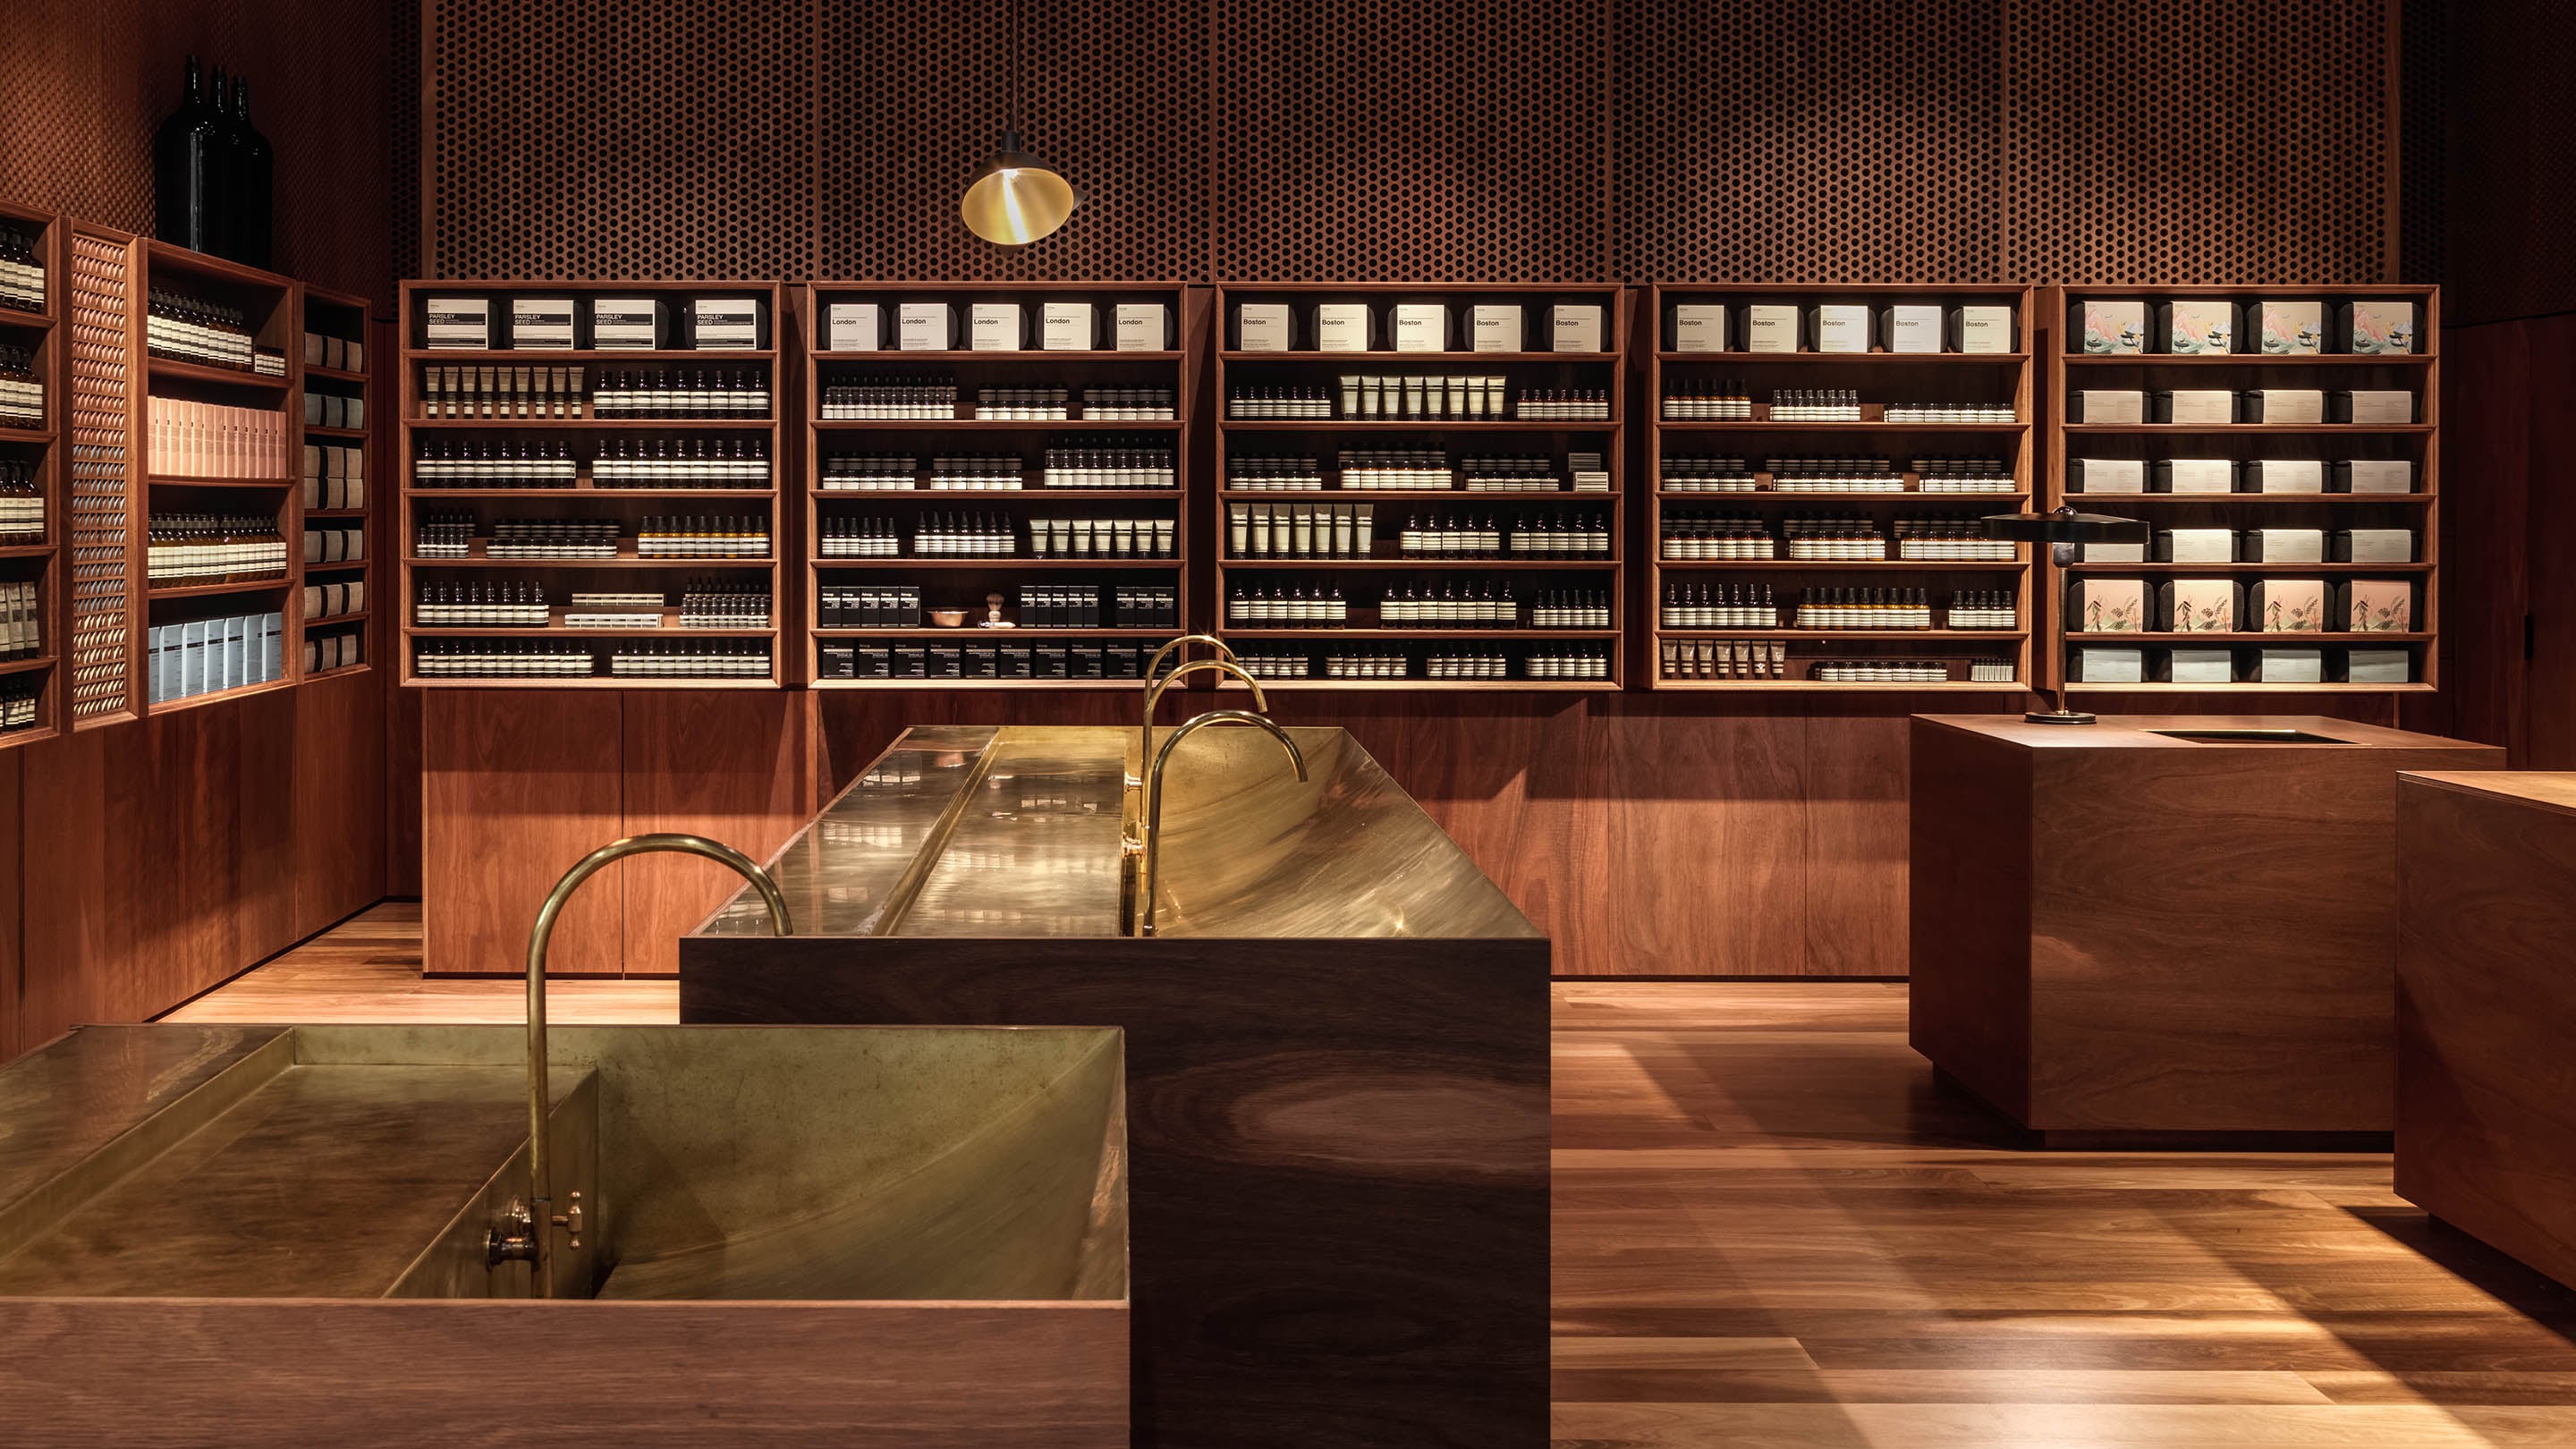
1154 696
526 1230
1153 692
1154 793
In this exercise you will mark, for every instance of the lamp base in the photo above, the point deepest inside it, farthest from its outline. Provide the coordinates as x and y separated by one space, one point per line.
2059 717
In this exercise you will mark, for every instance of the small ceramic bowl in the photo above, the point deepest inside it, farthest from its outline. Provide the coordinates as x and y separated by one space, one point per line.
948 618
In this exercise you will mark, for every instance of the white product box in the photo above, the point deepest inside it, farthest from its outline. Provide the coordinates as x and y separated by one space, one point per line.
2291 666
2200 475
853 327
2200 545
1261 327
1498 327
1771 327
2203 666
2379 407
1699 327
2285 545
2296 405
2379 666
2111 405
2379 475
1146 327
2111 666
2114 552
1421 327
994 327
625 323
2106 475
541 322
725 324
2380 545
1842 327
925 327
458 322
1342 326
2286 475
1987 329
1577 327
1915 327
1067 327
2201 407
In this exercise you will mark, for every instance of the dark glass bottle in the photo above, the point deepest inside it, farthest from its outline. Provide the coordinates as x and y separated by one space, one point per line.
183 163
219 166
252 171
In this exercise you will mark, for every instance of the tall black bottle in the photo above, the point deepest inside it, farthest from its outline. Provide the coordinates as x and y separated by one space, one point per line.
248 181
184 162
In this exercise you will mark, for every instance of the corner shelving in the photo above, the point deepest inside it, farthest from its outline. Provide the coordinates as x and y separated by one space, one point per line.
881 477
1454 418
2128 468
31 457
537 402
1718 487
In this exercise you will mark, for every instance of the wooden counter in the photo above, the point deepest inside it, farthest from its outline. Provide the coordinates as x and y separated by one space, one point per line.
2115 931
2486 1008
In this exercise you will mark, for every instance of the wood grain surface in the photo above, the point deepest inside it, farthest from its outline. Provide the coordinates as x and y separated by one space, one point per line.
517 788
2486 1123
490 1372
2211 929
1339 1181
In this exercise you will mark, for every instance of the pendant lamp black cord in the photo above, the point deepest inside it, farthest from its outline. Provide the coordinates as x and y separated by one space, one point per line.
1013 25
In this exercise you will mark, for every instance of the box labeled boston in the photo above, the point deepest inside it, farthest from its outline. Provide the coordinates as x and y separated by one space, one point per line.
1771 327
1577 327
1421 327
1699 327
1341 326
540 323
1842 327
1261 327
1984 329
1914 327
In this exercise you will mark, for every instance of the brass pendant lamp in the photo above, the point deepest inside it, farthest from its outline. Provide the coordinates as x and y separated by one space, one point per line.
1014 198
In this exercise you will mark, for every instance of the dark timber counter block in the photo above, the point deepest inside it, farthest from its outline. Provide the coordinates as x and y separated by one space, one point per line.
1340 1174
2486 1008
2116 930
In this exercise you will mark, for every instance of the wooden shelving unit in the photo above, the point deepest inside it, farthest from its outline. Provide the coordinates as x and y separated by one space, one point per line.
326 315
848 658
36 558
585 439
1366 579
1880 378
2417 509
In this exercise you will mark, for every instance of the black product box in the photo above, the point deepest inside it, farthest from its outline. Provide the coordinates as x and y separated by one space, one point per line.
947 663
1087 662
840 661
1126 663
1017 664
1053 662
876 661
1086 608
911 661
983 662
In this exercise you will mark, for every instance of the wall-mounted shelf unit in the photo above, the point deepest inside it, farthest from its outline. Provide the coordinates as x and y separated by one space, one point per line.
340 483
1819 457
2295 505
33 348
1027 452
1420 486
630 488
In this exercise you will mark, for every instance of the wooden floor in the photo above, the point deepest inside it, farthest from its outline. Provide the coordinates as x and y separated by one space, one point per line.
1773 1232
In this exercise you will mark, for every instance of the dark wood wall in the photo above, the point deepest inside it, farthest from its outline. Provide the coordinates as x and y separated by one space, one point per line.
146 862
1426 139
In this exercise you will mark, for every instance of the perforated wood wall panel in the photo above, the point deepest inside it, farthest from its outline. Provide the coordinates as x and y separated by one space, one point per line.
1507 140
1821 142
85 83
102 480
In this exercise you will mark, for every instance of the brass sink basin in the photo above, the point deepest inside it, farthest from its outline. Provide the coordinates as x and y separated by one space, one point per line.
848 1233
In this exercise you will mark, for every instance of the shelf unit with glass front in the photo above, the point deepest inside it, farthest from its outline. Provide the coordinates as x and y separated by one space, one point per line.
33 348
1420 485
2294 550
1820 456
1009 456
577 452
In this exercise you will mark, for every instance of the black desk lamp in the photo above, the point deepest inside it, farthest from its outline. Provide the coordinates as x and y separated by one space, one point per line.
2062 530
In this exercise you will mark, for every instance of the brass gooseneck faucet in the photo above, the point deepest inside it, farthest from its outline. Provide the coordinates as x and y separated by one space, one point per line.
1153 691
1154 696
1154 794
525 1233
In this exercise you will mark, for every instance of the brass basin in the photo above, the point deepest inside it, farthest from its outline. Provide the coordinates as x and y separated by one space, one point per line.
963 1188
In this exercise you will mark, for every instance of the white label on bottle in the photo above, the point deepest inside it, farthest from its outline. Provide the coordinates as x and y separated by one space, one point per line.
727 324
541 322
1575 327
1699 327
1985 329
993 327
1421 327
2202 475
623 323
1771 327
852 327
2114 405
923 326
1842 327
1065 326
1147 327
464 322
1914 327
1498 327
1341 327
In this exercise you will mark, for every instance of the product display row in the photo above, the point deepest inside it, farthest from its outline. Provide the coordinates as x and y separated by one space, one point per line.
1338 325
2204 326
536 323
1920 327
2233 606
2227 407
209 656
